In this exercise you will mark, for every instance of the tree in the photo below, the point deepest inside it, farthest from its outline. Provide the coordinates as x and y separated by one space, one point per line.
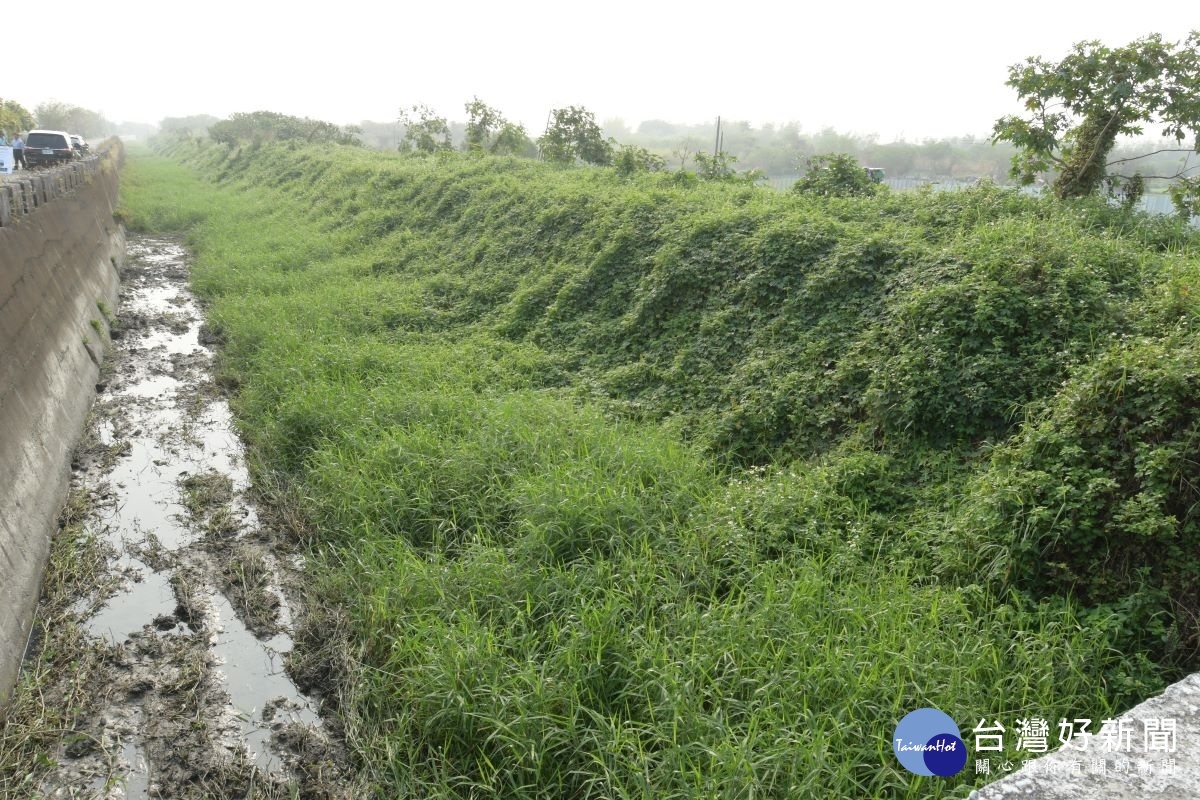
14 117
488 130
630 159
1078 107
196 124
835 175
72 119
427 133
573 134
269 126
511 140
684 150
483 122
719 167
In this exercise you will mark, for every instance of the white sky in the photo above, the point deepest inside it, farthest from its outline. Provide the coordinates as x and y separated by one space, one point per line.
927 68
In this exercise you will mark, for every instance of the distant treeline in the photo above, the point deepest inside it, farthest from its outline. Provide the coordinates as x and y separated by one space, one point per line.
777 149
782 149
15 118
774 150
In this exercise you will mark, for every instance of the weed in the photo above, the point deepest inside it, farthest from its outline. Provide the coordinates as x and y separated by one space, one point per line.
206 492
59 683
246 582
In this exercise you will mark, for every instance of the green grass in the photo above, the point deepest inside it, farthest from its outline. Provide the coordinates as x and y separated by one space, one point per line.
59 685
629 489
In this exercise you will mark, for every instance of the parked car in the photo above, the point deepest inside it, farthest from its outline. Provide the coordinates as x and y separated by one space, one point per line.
80 144
48 147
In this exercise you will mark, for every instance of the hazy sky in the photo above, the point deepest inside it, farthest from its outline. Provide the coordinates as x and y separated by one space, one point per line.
901 70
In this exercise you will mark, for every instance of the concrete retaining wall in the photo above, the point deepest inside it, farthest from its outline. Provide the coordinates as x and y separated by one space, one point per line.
60 250
1152 750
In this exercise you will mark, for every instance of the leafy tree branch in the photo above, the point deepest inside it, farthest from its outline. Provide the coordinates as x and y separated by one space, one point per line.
574 135
1079 106
424 130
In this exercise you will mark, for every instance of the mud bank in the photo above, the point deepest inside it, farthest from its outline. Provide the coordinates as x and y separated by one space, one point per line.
186 621
58 284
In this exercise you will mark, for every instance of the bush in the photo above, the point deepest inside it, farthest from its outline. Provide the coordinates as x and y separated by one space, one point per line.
835 175
1098 497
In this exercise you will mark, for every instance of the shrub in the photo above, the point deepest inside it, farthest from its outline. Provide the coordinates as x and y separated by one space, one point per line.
835 175
1098 497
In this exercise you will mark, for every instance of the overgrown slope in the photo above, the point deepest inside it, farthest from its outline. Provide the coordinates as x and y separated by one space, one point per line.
630 488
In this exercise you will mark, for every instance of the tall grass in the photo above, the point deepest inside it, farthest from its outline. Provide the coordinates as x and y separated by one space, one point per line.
638 490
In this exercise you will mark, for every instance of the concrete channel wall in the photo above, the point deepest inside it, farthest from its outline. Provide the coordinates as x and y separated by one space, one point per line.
60 251
1152 750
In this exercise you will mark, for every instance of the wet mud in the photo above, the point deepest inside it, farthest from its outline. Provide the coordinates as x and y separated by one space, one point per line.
186 622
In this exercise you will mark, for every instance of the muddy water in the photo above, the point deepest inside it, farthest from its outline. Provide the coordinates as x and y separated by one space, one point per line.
197 700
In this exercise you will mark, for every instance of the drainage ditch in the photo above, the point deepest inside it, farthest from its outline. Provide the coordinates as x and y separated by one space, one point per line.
190 625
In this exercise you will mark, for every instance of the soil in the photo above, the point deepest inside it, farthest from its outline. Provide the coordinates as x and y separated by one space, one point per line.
187 622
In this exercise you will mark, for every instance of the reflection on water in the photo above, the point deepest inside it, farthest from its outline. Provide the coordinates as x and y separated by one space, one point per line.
168 431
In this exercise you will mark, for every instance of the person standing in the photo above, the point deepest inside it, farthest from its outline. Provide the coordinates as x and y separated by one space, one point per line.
18 146
3 141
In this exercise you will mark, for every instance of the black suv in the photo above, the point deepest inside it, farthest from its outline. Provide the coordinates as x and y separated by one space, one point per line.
48 147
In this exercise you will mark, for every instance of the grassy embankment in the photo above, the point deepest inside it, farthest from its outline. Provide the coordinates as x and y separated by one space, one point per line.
631 489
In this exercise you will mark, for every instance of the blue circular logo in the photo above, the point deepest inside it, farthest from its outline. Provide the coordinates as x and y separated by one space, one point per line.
927 742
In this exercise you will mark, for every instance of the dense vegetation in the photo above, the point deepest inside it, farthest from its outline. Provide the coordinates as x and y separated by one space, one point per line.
14 118
269 126
636 487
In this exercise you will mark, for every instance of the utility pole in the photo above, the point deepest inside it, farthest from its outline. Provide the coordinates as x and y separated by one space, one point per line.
717 140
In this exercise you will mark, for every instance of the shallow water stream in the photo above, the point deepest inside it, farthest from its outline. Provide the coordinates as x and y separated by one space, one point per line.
198 702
